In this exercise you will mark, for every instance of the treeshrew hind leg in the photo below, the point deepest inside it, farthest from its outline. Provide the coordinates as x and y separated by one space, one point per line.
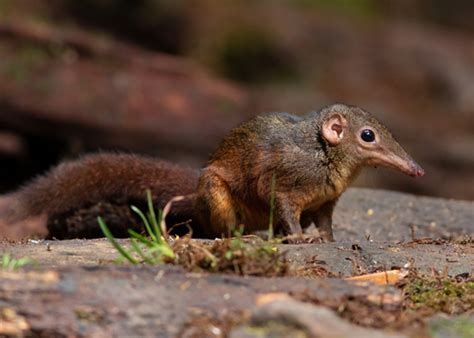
215 206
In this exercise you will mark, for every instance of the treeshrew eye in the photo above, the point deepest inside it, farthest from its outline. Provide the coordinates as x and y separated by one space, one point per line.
367 135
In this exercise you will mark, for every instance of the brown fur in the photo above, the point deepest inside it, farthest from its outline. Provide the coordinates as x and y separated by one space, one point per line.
310 174
82 184
311 171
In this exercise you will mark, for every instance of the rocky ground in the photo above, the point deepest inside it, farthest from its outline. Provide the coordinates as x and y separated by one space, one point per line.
75 288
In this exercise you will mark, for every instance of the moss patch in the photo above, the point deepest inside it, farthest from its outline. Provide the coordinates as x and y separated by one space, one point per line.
423 297
462 327
446 295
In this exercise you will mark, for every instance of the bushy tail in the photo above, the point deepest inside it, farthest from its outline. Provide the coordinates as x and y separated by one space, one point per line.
10 208
96 178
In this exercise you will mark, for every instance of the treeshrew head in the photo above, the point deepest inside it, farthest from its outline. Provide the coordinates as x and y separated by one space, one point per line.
363 139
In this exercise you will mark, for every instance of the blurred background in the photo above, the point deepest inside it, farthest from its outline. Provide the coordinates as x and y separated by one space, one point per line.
170 78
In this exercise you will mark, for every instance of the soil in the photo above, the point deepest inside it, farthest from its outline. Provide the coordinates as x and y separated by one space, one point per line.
75 288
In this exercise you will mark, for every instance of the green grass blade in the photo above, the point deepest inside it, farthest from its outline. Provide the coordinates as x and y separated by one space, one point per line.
22 262
141 238
163 250
145 221
6 260
168 252
272 208
152 216
112 240
139 251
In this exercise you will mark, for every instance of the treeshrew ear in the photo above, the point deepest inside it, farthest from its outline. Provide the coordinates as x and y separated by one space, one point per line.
334 128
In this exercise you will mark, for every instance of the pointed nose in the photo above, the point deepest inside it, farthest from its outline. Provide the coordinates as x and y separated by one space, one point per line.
413 169
404 164
417 170
420 172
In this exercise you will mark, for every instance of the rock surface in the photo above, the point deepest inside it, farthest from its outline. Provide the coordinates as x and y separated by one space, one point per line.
160 301
76 290
313 321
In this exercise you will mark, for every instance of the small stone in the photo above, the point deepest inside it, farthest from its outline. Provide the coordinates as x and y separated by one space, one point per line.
306 320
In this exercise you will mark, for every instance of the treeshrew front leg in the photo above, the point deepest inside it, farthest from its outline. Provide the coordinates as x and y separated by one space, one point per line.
323 220
288 216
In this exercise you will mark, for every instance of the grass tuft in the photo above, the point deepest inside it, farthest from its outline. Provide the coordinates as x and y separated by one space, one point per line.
150 250
9 263
272 208
243 255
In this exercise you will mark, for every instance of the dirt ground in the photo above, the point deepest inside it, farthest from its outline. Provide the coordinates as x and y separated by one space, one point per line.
75 289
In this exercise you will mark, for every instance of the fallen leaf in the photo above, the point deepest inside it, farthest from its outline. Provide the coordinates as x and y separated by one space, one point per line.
271 297
381 278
